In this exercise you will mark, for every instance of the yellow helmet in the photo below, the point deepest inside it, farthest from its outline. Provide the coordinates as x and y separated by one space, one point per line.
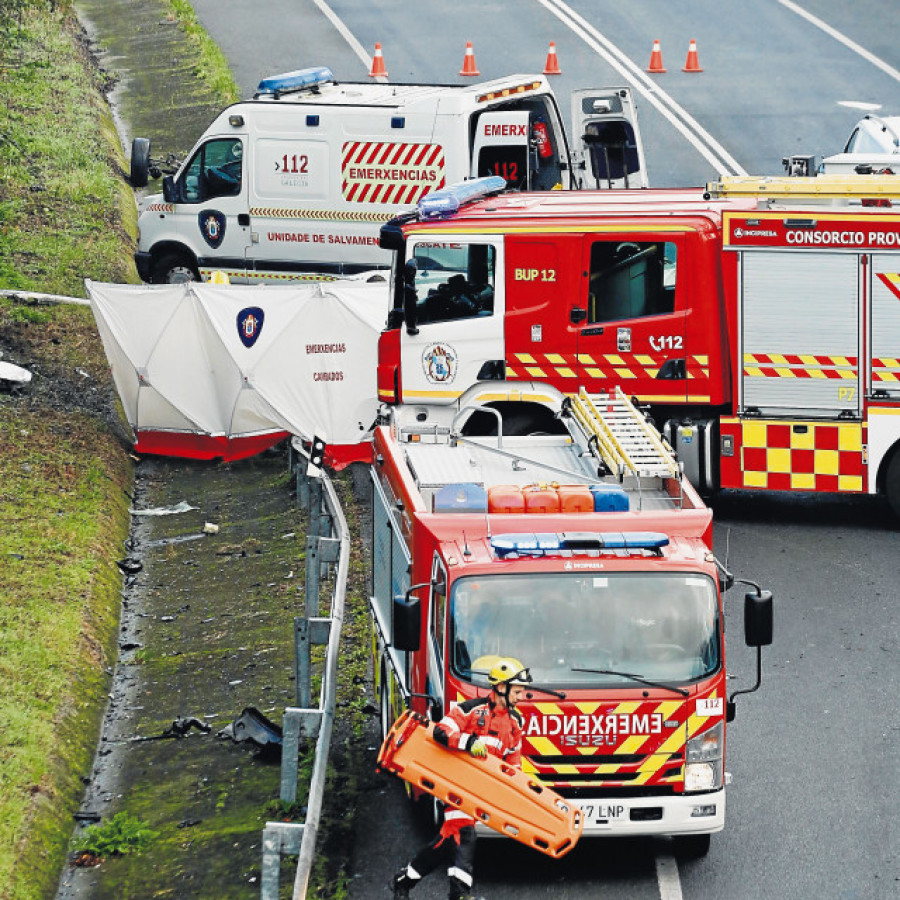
509 671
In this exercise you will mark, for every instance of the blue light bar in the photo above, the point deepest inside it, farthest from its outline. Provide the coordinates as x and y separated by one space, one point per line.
447 201
528 544
295 81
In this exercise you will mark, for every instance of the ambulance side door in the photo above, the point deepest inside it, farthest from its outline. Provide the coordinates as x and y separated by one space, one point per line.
292 174
633 329
458 337
606 140
211 208
501 147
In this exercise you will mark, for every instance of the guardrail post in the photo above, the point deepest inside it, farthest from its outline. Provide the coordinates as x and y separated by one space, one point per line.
307 632
302 663
299 724
313 572
278 838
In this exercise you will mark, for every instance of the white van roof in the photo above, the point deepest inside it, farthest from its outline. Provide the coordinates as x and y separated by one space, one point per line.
406 96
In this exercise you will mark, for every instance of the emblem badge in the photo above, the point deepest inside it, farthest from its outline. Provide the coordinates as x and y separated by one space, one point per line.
439 362
249 325
212 227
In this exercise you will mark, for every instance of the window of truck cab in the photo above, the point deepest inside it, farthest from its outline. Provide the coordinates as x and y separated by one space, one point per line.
437 617
661 626
631 279
215 170
453 280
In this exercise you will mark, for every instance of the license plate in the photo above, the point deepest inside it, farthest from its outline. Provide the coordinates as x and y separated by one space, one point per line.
607 812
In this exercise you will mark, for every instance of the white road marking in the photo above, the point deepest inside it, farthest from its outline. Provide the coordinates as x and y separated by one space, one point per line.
702 141
348 36
667 876
842 38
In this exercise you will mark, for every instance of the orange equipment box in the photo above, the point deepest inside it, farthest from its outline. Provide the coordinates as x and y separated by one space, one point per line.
493 792
541 498
505 498
575 498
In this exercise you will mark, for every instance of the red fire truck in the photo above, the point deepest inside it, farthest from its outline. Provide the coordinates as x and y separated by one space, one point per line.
587 556
759 320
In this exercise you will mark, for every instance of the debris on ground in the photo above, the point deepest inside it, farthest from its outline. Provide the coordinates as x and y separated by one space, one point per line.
181 507
252 725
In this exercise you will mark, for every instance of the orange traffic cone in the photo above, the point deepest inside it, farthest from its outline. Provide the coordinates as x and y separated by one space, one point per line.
656 64
692 64
378 68
552 66
469 67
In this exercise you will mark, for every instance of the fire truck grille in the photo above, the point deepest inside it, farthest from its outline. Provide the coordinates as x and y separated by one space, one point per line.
583 793
594 778
599 759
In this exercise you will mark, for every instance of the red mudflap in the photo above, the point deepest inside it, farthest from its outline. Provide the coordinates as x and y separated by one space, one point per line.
498 795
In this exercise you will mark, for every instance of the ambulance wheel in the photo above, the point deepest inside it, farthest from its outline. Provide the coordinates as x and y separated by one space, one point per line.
692 846
174 268
892 482
140 162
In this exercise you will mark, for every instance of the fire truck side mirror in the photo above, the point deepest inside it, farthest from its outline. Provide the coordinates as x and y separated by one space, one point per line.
169 191
758 618
407 619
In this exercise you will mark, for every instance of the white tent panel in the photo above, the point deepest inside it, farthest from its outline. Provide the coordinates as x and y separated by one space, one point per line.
180 365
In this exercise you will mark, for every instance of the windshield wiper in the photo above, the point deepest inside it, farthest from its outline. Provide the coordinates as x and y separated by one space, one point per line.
638 678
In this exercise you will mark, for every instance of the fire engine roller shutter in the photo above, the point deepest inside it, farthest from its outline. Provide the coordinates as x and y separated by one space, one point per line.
800 333
885 324
390 571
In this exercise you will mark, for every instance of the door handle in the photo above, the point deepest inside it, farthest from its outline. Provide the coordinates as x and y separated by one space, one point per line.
244 219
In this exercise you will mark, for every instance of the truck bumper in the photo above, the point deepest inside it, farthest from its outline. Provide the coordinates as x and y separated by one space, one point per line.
640 816
144 263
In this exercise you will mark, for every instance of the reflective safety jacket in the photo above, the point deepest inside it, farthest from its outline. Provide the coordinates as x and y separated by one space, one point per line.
500 730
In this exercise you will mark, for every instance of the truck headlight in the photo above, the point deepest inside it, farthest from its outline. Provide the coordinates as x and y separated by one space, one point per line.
703 769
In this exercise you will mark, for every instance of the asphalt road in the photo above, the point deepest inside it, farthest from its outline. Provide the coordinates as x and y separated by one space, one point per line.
814 754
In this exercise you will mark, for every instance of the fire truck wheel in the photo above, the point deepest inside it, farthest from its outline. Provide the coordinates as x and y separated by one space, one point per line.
892 483
692 846
174 268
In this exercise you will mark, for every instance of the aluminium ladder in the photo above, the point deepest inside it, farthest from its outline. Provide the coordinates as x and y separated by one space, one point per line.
625 440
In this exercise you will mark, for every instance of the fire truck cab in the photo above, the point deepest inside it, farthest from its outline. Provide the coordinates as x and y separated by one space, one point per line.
757 319
586 555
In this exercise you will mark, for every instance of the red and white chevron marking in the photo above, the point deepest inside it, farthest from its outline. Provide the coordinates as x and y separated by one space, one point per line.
385 172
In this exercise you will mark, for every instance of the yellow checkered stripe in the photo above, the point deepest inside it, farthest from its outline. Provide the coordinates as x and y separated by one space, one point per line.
631 745
823 456
333 215
609 366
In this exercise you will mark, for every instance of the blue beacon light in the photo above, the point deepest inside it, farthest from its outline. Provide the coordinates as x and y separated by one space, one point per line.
447 201
295 81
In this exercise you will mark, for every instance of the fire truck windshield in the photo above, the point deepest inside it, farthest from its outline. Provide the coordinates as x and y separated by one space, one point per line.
663 627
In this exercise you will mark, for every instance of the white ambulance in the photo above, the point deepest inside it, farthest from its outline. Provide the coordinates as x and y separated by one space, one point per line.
295 184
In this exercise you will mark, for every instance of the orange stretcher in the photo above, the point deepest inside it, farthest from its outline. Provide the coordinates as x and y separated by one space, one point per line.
495 793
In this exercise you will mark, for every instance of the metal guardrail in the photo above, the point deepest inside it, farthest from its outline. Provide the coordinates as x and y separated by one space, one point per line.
327 542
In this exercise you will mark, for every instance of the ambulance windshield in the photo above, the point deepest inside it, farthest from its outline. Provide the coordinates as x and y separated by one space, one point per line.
663 627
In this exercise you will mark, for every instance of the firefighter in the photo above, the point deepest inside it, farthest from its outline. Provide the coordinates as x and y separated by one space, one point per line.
479 726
